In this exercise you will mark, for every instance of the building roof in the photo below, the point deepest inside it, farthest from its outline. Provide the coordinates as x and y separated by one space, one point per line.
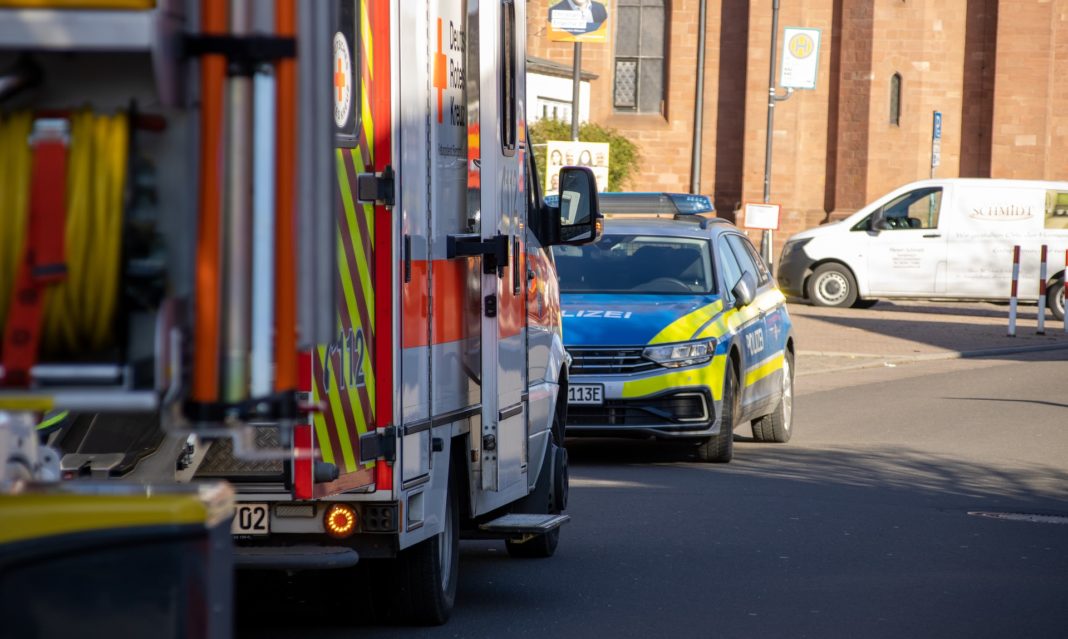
548 67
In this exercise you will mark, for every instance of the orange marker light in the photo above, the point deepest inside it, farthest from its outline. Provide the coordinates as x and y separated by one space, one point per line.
340 521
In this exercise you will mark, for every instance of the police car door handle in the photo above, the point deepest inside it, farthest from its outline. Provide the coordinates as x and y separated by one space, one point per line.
933 235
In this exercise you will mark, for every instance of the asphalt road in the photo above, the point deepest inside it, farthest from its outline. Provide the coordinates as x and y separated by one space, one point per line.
859 527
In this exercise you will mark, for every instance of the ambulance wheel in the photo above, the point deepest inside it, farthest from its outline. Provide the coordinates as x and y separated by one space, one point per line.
427 572
719 449
832 285
1055 299
778 426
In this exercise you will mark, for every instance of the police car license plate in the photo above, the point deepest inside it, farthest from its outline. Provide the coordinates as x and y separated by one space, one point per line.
585 394
251 519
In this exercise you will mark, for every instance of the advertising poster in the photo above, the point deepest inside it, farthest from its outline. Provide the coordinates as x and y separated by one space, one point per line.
578 21
589 154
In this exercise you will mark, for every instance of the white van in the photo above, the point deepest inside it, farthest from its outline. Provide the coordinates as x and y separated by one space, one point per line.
935 239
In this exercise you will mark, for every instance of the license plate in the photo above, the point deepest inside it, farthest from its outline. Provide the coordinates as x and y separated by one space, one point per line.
251 519
585 394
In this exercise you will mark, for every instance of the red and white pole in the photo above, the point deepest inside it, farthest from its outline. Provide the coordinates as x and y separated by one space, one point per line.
1015 284
1042 293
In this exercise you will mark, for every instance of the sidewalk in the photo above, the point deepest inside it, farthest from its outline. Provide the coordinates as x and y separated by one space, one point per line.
896 333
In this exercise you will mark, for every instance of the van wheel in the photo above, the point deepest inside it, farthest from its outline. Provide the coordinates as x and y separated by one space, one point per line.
832 285
426 574
719 449
1055 299
778 426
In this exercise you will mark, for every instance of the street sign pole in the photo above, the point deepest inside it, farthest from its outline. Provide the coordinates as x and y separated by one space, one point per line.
766 237
576 90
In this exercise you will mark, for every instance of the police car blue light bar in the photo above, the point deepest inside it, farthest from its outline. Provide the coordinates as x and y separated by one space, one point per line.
667 204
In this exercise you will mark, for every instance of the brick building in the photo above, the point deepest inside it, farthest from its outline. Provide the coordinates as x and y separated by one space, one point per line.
996 69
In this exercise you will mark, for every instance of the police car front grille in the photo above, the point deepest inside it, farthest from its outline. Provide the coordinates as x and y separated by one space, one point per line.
608 361
670 410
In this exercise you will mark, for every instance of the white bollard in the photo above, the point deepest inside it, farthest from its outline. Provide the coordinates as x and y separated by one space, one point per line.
1015 282
1042 293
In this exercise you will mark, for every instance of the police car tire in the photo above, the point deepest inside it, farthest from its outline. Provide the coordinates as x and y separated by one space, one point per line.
827 274
426 576
1055 300
719 449
778 426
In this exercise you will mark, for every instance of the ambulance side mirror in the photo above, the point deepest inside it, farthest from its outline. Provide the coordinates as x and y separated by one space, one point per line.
578 218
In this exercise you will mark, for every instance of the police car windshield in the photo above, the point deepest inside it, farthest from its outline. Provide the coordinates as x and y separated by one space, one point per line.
637 264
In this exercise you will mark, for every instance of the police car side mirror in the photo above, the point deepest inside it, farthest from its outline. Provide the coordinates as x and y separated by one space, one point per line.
744 290
578 218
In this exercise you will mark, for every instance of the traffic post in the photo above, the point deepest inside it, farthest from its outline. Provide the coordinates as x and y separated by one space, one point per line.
1015 282
1041 330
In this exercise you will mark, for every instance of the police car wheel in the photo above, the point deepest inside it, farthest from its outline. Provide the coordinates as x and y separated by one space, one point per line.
719 449
778 426
832 285
1055 300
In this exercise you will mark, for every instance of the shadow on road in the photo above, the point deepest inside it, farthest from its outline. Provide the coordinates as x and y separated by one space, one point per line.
808 495
952 336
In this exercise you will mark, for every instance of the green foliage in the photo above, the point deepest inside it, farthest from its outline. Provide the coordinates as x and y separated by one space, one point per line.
623 155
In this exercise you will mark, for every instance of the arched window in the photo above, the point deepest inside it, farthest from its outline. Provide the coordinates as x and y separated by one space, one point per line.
641 43
895 99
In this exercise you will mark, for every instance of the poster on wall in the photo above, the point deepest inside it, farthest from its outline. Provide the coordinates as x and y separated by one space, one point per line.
558 154
578 21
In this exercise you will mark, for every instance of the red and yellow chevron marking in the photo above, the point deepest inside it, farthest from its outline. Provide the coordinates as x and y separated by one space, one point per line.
346 370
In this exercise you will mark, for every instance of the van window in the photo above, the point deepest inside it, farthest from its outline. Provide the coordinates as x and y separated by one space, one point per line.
917 209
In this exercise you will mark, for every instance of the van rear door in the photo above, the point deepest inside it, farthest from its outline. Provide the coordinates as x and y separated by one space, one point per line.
908 255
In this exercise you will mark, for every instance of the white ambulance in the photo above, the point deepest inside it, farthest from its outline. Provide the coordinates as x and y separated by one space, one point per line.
936 239
328 279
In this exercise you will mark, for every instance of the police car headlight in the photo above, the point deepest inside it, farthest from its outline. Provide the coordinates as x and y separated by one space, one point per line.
678 355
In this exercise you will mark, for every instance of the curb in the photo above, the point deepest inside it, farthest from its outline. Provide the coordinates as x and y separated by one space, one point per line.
905 359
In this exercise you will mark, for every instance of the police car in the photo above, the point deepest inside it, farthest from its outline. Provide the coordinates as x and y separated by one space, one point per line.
675 328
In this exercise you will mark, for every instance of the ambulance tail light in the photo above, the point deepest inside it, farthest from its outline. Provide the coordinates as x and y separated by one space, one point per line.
340 521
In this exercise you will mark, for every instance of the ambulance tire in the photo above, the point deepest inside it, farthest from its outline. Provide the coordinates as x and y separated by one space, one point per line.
719 449
865 303
832 285
778 426
427 572
1055 299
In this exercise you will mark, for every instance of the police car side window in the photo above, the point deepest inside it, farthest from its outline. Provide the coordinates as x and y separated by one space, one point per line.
763 274
745 260
732 272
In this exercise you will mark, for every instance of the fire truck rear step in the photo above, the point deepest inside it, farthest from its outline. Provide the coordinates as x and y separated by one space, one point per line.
294 557
525 523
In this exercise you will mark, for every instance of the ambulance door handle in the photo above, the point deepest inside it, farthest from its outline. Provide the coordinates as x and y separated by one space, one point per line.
517 287
407 258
